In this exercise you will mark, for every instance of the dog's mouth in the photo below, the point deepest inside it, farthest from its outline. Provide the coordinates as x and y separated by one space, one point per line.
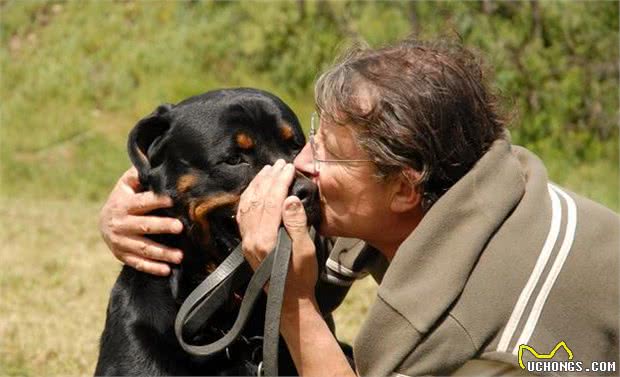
213 226
210 225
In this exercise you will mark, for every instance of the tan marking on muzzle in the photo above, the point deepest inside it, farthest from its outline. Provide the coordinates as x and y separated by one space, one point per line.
186 182
286 132
200 208
244 141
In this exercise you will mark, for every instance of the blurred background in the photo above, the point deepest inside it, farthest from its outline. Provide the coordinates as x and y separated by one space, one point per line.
76 76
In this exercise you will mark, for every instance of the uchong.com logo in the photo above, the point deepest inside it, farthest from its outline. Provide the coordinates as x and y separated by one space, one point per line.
545 363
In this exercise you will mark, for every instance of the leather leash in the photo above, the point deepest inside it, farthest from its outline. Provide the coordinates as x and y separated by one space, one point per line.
213 292
275 297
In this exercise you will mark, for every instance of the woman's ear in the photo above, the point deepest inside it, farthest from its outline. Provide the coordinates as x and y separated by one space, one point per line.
145 139
406 194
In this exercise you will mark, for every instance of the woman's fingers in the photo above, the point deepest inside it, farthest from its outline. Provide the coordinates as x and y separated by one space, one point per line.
303 271
150 225
281 179
145 265
260 210
122 225
274 194
148 201
130 179
295 221
146 248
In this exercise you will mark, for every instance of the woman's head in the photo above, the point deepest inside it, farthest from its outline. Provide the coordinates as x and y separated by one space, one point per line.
413 105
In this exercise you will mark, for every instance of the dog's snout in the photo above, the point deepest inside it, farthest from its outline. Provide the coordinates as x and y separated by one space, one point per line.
303 188
307 192
302 191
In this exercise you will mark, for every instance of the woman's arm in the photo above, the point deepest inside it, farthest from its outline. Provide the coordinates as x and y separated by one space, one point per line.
312 345
262 207
123 223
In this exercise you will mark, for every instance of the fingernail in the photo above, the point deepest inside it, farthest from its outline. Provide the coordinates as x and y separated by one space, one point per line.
177 227
165 270
293 206
178 257
289 167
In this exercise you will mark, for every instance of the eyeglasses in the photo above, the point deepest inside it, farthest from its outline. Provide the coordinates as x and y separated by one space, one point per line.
314 126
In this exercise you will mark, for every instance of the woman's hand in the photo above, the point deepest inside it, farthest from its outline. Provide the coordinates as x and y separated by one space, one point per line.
303 270
123 224
262 208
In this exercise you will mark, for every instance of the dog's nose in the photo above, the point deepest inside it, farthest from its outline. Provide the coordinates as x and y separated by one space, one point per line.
304 189
308 193
301 190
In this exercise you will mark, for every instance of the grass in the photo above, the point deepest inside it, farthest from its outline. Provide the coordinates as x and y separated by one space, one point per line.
55 285
53 289
75 77
58 273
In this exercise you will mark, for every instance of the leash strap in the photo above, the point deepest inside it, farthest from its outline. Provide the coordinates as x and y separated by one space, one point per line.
213 292
271 335
252 293
205 309
194 309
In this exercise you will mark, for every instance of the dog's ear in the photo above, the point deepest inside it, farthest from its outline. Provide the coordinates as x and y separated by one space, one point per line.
145 141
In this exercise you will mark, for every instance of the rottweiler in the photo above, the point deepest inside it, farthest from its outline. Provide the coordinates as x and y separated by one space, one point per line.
203 152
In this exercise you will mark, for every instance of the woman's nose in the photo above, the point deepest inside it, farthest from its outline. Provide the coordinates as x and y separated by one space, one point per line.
304 161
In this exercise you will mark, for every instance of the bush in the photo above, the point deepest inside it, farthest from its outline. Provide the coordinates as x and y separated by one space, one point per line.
77 75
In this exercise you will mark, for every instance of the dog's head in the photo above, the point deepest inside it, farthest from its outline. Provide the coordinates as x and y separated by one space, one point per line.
204 151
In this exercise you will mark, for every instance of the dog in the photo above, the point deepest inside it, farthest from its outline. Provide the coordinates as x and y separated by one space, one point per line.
203 152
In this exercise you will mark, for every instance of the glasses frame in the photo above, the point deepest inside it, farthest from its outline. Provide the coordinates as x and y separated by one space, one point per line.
314 126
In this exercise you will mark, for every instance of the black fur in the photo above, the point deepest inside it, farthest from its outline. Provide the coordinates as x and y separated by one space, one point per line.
190 151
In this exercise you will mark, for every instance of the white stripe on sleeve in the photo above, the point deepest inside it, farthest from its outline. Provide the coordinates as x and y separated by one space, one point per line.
567 243
543 258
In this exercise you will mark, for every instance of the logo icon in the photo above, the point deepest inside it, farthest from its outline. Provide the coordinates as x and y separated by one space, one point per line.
547 356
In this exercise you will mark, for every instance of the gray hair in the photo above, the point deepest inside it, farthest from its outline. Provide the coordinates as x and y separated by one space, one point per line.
418 105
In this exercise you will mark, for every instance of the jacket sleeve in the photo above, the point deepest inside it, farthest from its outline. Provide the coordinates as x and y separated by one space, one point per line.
341 262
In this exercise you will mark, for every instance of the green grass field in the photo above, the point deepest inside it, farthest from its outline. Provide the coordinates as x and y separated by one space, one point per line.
76 76
55 284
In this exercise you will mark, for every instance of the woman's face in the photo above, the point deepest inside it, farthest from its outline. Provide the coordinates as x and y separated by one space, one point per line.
353 202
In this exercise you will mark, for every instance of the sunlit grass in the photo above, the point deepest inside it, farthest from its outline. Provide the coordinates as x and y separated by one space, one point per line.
76 76
54 287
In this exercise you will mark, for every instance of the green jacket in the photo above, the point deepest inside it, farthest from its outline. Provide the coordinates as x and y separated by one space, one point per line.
504 258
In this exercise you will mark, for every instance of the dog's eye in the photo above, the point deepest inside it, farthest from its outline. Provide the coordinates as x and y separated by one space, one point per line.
234 160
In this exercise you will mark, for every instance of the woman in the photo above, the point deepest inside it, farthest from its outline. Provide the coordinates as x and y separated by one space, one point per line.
411 156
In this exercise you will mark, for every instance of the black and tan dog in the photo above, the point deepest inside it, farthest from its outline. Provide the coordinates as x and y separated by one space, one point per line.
203 152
